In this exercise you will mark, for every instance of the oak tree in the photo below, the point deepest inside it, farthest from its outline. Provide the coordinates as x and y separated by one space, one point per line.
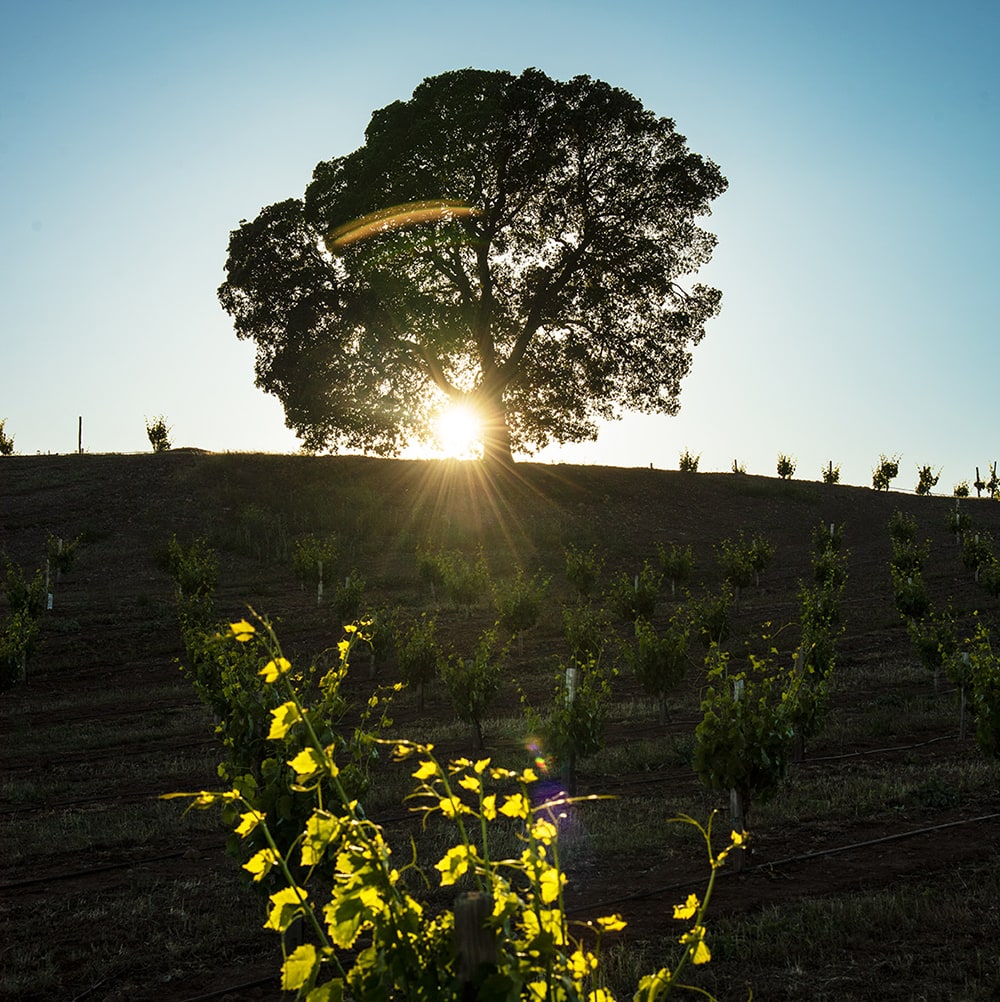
522 245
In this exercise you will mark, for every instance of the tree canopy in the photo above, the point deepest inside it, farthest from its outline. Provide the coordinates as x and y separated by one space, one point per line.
512 242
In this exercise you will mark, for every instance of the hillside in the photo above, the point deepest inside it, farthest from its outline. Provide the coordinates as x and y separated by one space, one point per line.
110 894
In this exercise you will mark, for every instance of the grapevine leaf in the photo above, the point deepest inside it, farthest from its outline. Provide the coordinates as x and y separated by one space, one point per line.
286 904
308 762
516 806
260 864
299 967
332 991
345 916
284 717
455 863
273 670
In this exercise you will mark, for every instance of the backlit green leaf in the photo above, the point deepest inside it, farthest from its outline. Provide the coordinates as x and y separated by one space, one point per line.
299 967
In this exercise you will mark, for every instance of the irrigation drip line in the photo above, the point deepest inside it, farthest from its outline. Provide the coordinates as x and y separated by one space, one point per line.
231 989
91 989
116 753
874 841
107 867
771 865
658 777
878 751
122 798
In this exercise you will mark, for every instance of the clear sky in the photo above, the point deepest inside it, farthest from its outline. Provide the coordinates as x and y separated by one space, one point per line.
858 240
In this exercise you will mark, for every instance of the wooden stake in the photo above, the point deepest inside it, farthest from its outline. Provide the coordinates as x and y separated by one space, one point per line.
475 942
569 769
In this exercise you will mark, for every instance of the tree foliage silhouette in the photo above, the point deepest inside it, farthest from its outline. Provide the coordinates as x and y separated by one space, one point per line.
514 243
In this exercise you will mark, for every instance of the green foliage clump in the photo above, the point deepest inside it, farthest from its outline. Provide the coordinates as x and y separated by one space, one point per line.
62 555
348 597
519 602
761 553
573 726
313 557
984 677
417 654
734 560
786 466
158 433
814 662
711 615
926 479
908 556
6 441
659 660
906 567
507 936
831 474
885 472
586 630
829 559
382 631
23 595
827 537
27 600
629 598
18 642
676 564
743 561
902 527
910 593
473 683
583 569
689 462
431 568
465 581
742 741
977 552
934 639
959 522
195 572
232 680
989 577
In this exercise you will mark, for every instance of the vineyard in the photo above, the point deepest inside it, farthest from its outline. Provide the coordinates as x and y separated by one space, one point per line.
819 661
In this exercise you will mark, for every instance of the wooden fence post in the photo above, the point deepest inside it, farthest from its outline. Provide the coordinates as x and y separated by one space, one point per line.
475 942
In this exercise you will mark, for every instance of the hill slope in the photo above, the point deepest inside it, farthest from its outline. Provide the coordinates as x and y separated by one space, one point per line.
99 873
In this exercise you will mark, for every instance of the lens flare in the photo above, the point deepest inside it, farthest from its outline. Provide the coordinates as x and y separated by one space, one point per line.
534 749
459 432
396 217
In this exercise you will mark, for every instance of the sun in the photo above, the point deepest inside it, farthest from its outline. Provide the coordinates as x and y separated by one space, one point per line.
459 432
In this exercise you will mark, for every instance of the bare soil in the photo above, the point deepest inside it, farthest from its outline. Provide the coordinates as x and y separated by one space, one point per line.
112 632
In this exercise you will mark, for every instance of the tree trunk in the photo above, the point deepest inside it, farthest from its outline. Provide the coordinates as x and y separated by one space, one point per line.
496 435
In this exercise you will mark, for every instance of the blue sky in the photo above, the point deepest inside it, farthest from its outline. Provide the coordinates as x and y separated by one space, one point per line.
858 240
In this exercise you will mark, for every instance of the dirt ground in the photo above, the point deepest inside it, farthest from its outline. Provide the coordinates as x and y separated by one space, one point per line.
112 630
